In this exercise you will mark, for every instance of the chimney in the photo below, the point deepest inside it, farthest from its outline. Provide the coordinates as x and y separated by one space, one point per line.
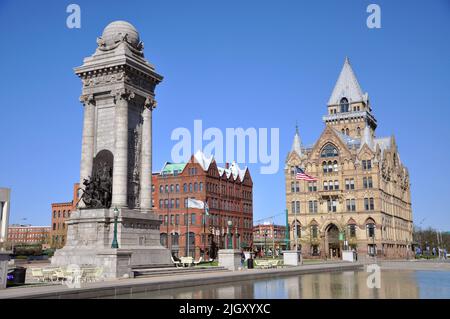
227 165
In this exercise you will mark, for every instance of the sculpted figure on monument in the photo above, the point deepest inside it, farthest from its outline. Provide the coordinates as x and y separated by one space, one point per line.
97 191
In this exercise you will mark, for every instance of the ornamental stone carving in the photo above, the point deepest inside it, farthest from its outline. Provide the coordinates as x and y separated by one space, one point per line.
150 102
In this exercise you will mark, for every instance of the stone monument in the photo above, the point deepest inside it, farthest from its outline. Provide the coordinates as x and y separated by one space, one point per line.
116 160
5 197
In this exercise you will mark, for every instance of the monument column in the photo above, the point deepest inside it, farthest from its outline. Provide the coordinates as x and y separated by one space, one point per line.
120 171
146 156
87 143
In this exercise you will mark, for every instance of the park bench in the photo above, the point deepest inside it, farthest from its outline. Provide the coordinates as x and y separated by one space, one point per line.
198 261
177 263
186 261
264 264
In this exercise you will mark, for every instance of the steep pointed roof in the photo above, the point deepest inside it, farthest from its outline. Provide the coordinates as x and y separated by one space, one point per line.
367 138
347 86
297 143
233 170
348 140
203 160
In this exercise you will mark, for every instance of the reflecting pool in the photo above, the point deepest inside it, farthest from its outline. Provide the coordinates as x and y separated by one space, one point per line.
345 284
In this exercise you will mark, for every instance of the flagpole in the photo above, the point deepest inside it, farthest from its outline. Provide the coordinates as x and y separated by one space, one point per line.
187 232
204 229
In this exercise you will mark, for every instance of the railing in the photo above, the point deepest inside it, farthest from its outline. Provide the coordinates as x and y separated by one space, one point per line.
345 115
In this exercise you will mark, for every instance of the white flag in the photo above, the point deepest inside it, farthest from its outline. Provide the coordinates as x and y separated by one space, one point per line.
195 203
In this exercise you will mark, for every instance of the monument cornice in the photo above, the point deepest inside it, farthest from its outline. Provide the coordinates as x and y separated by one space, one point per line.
119 75
141 68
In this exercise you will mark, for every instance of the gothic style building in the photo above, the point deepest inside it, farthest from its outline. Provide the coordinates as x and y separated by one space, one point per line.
361 199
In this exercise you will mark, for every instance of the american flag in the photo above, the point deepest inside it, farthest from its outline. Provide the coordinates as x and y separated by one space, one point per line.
301 175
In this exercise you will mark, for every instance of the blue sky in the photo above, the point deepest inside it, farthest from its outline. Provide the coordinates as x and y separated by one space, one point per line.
232 64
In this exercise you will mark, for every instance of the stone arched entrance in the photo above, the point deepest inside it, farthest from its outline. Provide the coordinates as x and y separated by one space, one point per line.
333 247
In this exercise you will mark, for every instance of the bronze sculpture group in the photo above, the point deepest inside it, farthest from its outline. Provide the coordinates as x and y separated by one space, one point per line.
97 191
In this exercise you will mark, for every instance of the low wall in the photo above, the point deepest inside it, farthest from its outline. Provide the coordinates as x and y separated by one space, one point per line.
142 285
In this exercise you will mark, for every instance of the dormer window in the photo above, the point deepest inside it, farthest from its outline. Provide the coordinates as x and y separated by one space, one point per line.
344 105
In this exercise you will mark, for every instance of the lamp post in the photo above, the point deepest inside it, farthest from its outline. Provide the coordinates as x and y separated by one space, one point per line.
166 175
230 242
115 244
374 250
236 233
265 242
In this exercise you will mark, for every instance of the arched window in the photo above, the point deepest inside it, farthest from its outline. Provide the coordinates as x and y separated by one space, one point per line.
201 186
177 188
358 131
336 185
347 132
335 166
370 227
351 230
343 131
190 242
324 166
329 150
171 188
195 186
163 239
314 231
185 187
330 167
325 185
298 228
190 187
344 105
161 188
175 239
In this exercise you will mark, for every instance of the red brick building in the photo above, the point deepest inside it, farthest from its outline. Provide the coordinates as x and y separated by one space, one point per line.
28 235
267 237
228 193
61 212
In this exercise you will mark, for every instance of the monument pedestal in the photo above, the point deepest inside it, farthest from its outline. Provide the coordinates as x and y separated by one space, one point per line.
90 233
4 259
230 259
292 257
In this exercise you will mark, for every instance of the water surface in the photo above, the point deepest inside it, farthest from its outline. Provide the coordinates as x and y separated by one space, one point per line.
345 284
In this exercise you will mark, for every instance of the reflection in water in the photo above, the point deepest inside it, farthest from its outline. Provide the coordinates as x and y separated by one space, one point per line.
346 284
432 286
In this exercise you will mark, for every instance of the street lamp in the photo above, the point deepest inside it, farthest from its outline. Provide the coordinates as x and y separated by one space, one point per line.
230 242
265 242
238 244
115 244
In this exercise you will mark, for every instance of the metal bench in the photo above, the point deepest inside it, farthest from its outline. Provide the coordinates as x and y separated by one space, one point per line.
187 261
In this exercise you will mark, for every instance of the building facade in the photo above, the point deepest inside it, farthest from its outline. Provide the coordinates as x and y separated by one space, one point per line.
269 238
228 193
361 199
60 213
28 235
